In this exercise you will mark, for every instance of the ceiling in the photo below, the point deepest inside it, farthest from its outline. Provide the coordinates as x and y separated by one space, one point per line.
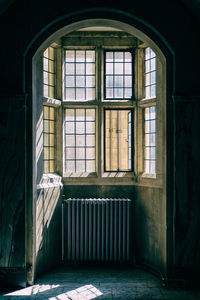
193 5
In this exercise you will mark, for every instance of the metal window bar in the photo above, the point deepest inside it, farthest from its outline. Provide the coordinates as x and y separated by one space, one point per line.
76 146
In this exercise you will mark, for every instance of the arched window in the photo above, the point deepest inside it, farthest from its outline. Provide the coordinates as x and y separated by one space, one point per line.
101 91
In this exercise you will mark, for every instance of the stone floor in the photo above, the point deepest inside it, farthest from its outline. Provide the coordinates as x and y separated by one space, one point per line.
67 283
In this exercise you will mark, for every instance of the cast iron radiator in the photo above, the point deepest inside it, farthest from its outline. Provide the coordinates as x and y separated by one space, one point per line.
97 230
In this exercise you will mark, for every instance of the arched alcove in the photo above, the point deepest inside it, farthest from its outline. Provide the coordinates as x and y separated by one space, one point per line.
153 197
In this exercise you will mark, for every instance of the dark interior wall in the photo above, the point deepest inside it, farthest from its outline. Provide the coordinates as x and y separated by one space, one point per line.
22 23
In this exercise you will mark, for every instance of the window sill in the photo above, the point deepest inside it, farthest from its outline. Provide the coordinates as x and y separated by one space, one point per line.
148 175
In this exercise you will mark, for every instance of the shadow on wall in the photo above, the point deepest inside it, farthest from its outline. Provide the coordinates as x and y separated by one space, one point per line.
48 222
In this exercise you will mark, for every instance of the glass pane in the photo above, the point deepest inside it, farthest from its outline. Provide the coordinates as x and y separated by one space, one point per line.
90 153
109 56
70 68
147 126
90 93
153 167
90 81
46 139
118 67
90 166
52 113
80 153
152 53
147 113
45 64
70 166
80 140
80 114
52 166
90 56
147 53
51 152
118 81
153 77
46 153
51 66
80 56
70 153
147 140
148 91
51 91
128 81
90 114
70 93
153 90
70 81
128 93
90 140
90 127
153 153
80 94
109 93
70 114
153 139
147 66
118 56
147 153
80 127
109 68
46 125
118 92
80 166
80 68
147 79
109 81
51 53
153 126
128 57
90 69
52 127
147 166
80 81
153 112
46 112
69 127
46 53
45 77
70 55
70 140
153 64
128 68
51 140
